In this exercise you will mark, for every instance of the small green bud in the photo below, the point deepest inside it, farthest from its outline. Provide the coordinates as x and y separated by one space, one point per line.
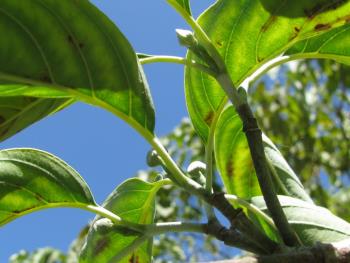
103 226
159 177
196 167
153 159
186 38
196 170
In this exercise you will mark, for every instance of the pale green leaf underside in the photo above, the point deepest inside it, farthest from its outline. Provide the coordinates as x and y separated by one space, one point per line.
17 113
76 52
312 223
247 34
331 45
232 156
183 4
236 166
134 201
186 5
32 180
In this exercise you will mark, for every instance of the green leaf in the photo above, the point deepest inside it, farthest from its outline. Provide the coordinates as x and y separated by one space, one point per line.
133 201
236 167
185 4
248 33
17 113
233 158
258 217
312 223
285 180
331 45
74 52
32 180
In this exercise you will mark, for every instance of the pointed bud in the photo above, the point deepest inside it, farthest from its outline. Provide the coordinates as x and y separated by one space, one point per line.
186 38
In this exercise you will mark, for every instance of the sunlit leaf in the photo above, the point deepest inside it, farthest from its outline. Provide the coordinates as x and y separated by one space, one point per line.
185 4
134 201
74 52
248 33
331 45
17 113
236 166
233 156
312 223
31 180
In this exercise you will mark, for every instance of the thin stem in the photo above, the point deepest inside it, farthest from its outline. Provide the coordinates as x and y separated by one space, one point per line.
255 210
254 138
177 60
161 228
114 218
284 59
179 177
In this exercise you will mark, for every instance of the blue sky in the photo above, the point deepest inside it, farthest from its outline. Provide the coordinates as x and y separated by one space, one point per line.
101 147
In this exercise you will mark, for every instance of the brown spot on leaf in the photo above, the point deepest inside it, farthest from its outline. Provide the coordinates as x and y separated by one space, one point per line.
219 43
100 245
74 43
23 210
335 4
320 27
4 131
229 168
268 23
39 197
2 120
30 99
295 33
70 39
346 19
134 259
45 78
320 8
209 118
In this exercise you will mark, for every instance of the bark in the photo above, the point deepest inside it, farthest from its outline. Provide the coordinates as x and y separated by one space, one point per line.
320 253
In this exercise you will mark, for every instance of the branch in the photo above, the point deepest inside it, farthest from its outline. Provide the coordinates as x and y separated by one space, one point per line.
233 237
326 253
239 221
254 138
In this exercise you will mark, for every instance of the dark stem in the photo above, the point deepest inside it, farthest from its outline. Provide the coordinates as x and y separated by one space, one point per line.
254 138
325 253
240 222
233 237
